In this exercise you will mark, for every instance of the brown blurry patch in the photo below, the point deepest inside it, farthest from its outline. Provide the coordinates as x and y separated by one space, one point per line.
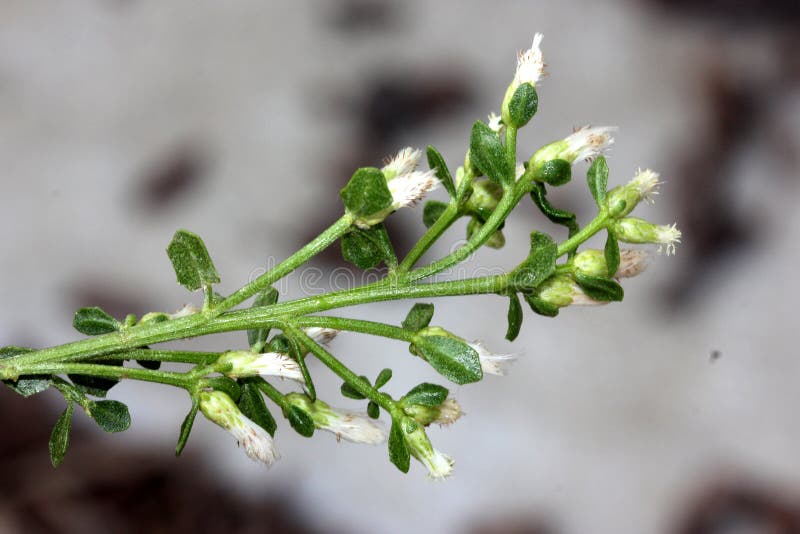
745 12
732 508
348 16
171 177
99 489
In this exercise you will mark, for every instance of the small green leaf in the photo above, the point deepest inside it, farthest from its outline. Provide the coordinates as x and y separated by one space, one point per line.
432 211
597 177
488 154
352 393
300 420
541 262
436 162
373 410
190 259
383 377
257 337
452 358
95 385
418 317
186 426
611 252
523 105
398 450
112 416
59 438
600 289
426 394
368 248
514 317
554 172
252 405
558 216
28 385
366 193
540 306
94 322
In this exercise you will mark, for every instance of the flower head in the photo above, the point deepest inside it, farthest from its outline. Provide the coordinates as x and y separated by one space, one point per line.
561 290
530 63
320 335
405 162
492 363
256 442
593 262
622 199
238 364
587 142
447 413
407 189
439 465
635 230
355 427
584 143
495 122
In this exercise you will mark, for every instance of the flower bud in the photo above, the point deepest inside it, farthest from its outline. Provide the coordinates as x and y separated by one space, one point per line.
256 442
485 197
561 290
621 200
593 262
445 414
439 465
530 63
355 427
635 230
491 362
240 364
321 336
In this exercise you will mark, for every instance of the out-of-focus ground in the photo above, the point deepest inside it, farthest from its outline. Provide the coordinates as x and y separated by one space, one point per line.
676 411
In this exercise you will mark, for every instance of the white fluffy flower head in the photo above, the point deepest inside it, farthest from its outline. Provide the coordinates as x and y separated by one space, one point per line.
440 465
588 142
320 335
492 363
256 442
355 427
408 189
668 237
245 363
646 181
495 122
530 63
405 162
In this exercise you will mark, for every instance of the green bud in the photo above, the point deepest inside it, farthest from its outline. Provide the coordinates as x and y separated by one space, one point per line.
445 414
561 291
485 197
592 262
520 104
354 427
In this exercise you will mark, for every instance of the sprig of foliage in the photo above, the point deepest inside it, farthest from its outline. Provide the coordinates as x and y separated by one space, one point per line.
229 388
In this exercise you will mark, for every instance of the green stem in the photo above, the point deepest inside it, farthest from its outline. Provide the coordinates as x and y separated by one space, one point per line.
317 245
108 371
355 325
173 356
597 224
445 221
273 394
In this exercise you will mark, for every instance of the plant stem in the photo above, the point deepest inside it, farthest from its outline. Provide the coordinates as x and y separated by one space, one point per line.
112 372
174 356
445 221
597 224
355 325
314 247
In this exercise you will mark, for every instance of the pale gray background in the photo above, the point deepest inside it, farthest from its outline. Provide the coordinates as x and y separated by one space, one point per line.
611 420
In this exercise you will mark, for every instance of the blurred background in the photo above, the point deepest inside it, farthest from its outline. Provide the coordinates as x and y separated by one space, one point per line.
675 412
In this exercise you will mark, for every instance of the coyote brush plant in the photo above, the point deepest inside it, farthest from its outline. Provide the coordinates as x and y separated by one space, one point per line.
231 388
